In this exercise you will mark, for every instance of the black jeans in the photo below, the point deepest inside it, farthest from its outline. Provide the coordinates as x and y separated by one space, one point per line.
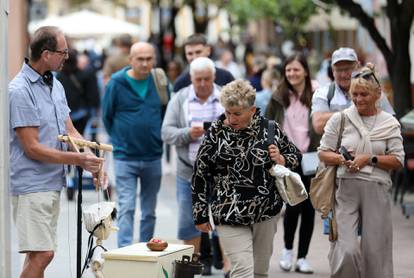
290 222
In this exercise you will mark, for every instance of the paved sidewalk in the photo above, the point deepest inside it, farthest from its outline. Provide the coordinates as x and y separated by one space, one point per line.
64 263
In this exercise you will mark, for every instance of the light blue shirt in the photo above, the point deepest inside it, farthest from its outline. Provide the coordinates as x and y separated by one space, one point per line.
262 100
35 104
340 101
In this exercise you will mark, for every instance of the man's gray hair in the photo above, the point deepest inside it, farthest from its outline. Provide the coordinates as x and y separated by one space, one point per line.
238 93
202 63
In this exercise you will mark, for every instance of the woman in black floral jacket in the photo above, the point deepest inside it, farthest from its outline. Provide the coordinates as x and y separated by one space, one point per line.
231 175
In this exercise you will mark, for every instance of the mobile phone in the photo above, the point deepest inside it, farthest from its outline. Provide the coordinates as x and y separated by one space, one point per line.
345 153
206 125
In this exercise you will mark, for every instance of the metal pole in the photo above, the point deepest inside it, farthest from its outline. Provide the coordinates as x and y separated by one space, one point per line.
5 223
79 225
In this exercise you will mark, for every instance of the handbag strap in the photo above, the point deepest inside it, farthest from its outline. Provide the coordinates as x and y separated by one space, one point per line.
333 233
271 132
341 130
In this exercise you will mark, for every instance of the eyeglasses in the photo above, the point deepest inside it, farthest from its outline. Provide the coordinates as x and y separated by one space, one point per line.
64 52
365 75
346 69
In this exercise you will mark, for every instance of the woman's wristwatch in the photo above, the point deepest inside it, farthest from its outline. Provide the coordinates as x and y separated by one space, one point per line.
373 161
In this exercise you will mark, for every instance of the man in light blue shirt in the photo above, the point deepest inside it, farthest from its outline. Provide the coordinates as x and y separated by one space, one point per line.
38 114
344 62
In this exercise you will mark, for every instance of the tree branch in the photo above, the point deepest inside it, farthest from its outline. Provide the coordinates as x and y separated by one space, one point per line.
355 10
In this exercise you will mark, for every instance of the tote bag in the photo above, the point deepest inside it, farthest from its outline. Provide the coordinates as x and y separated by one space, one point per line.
322 189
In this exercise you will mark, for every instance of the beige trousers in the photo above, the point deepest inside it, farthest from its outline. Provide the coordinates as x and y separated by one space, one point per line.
371 257
249 248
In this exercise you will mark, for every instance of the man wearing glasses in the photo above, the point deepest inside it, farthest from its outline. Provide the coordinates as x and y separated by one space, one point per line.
38 114
335 97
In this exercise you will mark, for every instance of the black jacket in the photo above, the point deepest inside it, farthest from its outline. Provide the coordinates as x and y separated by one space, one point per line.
231 173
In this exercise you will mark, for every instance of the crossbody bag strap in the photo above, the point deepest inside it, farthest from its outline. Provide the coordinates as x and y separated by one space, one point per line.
334 230
341 130
270 132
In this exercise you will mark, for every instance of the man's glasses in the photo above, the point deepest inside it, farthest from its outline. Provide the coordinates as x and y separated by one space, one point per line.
64 52
365 75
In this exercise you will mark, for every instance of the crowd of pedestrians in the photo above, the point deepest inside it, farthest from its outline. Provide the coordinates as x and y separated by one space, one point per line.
227 133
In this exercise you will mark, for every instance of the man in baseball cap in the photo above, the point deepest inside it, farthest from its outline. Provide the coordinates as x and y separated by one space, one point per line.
335 97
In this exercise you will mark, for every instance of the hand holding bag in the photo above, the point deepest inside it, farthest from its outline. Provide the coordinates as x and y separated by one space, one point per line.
288 183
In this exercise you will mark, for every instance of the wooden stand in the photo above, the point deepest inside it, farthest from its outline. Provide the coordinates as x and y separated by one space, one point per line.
77 145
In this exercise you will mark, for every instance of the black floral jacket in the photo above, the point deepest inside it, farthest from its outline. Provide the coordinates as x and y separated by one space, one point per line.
231 173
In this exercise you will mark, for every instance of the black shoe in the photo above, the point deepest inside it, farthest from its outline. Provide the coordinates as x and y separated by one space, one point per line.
206 267
227 274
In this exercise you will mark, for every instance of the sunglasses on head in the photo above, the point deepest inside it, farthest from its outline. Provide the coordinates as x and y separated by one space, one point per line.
365 75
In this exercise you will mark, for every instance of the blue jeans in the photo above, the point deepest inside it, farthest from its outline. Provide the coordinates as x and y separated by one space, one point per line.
127 173
186 226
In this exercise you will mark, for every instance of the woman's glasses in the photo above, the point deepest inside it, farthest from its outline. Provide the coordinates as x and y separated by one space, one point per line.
365 75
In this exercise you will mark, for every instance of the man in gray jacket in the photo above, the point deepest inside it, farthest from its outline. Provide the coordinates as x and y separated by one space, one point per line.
188 116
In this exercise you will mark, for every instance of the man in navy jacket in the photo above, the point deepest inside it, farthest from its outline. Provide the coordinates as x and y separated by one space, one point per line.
132 115
196 46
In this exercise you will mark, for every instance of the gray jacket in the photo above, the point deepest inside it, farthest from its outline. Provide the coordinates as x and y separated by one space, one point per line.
176 130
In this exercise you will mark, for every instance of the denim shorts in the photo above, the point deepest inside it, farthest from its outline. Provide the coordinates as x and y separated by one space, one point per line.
186 226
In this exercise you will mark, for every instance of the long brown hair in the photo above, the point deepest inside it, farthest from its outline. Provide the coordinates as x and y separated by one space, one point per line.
284 87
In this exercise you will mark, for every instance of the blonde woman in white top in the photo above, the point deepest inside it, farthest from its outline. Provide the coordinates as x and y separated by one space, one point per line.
373 138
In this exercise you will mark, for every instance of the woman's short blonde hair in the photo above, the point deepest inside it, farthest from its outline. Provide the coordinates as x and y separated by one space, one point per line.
238 93
366 79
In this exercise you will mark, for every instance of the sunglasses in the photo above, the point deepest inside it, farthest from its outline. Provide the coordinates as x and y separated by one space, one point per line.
365 75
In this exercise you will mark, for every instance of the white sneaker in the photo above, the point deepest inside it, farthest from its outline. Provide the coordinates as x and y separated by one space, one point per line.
303 266
286 260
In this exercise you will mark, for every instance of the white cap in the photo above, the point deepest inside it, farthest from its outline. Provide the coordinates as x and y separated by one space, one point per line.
344 54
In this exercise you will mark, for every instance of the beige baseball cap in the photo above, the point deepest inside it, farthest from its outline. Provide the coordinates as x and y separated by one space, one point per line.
344 54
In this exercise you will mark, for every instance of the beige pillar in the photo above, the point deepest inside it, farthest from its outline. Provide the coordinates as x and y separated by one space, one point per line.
5 249
18 35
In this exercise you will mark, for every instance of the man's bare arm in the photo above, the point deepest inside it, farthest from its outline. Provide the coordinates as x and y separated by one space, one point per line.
29 138
319 120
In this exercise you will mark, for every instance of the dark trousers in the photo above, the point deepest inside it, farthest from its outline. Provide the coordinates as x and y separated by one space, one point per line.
290 222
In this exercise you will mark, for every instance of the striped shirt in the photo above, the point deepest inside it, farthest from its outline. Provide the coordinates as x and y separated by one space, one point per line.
200 113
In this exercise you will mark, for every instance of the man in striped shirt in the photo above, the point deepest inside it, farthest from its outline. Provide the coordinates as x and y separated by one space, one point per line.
187 118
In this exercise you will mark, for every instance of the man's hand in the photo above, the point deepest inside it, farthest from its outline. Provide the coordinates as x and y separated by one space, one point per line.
205 227
196 132
90 162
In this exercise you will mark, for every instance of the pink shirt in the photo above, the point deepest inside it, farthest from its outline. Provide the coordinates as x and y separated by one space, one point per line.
296 123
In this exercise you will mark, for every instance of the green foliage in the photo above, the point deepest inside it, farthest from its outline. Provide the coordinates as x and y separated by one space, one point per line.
74 3
291 15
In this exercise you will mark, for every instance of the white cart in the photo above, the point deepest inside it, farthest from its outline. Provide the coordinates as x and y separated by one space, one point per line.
138 261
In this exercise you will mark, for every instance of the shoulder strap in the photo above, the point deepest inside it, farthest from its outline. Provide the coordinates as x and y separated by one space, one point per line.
331 92
271 132
161 84
341 130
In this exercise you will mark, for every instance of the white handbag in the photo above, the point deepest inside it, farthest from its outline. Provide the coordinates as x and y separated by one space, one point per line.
309 163
289 184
